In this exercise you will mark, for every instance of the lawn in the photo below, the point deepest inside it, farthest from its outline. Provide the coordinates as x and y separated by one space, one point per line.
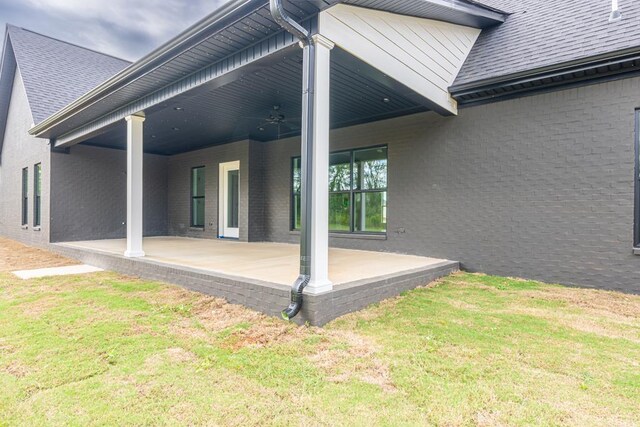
104 349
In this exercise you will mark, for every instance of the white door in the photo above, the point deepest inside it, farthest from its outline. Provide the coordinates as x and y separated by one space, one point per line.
229 199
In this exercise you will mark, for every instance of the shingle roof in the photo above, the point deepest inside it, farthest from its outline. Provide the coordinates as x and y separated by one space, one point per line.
540 33
55 72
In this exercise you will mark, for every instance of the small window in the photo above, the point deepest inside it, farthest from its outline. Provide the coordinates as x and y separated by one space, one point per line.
37 193
25 196
357 191
197 197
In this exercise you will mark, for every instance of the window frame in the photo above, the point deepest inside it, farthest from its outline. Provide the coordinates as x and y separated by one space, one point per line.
352 191
349 192
37 195
194 197
25 197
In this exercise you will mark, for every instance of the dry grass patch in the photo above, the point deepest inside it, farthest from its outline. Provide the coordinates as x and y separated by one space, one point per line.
345 356
604 313
36 308
612 326
602 303
139 329
16 369
264 333
172 355
16 256
215 314
206 316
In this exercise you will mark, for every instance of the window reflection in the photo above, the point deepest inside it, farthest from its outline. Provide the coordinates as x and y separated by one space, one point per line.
357 191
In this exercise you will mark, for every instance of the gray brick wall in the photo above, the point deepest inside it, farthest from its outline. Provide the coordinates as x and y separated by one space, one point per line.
21 150
249 153
89 197
538 187
256 191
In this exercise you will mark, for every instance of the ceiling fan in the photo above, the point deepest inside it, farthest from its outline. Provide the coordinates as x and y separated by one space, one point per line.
276 118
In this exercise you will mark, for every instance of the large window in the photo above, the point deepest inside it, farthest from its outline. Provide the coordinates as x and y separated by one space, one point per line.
25 196
197 197
37 193
357 191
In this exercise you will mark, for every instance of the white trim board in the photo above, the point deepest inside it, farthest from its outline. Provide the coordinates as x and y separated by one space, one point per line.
422 54
223 197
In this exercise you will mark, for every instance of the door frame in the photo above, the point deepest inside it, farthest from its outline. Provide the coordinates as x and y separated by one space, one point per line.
223 198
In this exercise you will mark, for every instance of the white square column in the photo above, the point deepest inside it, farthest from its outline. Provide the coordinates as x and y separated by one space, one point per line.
319 230
135 157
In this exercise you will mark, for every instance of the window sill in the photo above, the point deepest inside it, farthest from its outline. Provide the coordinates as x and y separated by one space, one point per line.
356 236
38 228
24 227
636 251
196 228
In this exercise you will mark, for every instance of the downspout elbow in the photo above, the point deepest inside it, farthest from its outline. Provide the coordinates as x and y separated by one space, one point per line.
296 298
285 21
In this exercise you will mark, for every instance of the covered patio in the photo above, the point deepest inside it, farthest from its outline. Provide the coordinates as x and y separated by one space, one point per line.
211 126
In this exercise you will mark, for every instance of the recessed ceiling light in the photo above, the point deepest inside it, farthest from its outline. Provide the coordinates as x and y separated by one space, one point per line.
178 108
261 129
386 100
153 136
176 129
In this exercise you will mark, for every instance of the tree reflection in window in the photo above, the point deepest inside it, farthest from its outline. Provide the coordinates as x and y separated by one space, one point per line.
357 191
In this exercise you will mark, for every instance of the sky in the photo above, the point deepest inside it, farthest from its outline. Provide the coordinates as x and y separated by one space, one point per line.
126 29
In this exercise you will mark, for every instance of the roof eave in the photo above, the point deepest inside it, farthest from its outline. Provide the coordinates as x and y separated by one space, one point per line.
230 11
486 15
4 101
502 83
484 7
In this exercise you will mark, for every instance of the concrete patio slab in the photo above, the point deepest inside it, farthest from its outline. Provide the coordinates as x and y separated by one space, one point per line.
268 262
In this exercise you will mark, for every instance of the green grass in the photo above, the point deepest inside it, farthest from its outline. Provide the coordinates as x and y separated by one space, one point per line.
104 349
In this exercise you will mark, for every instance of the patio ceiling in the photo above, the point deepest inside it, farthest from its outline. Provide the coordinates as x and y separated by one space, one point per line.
235 36
238 110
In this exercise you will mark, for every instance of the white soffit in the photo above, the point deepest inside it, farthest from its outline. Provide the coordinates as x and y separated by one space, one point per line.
423 54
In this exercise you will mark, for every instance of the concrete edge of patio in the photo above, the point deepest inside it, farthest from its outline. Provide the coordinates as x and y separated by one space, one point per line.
266 297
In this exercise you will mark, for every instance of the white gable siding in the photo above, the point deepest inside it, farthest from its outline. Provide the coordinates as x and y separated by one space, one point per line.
423 54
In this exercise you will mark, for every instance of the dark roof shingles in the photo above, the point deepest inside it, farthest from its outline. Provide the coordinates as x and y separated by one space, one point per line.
55 73
541 33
